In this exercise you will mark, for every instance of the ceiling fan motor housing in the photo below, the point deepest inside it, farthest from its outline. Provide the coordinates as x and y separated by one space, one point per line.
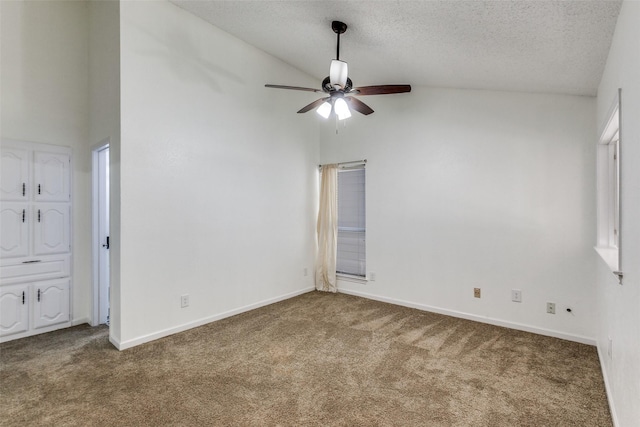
328 87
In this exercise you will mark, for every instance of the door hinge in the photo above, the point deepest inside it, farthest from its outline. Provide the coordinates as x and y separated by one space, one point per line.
38 295
24 189
23 297
38 215
39 189
24 211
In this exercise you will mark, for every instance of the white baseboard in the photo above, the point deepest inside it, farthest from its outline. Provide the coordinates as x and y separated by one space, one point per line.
80 321
181 328
607 387
115 342
475 318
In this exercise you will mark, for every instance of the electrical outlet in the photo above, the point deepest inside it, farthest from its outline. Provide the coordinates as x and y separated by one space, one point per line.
372 276
516 295
305 271
551 307
476 292
184 301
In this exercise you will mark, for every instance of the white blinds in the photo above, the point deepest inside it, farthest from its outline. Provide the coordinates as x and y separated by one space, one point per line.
351 222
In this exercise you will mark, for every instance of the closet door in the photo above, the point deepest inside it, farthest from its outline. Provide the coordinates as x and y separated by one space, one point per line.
14 309
51 228
14 220
51 177
51 302
14 174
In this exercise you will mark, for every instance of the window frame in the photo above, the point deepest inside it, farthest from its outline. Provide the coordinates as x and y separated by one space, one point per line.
614 190
347 275
609 158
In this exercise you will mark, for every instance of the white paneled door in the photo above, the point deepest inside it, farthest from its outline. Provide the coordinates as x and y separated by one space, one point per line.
51 228
51 177
51 304
103 233
14 227
14 309
14 174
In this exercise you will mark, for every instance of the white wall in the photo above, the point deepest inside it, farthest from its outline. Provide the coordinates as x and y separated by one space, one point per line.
619 306
479 189
44 87
218 174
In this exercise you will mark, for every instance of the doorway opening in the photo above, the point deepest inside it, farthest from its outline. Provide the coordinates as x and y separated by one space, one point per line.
100 171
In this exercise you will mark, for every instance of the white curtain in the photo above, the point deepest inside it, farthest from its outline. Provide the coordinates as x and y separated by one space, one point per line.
327 229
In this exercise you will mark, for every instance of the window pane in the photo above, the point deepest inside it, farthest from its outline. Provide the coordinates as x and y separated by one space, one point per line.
351 253
351 222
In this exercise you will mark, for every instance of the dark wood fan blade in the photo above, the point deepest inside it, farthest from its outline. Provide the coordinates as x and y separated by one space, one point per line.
381 90
306 89
313 105
358 105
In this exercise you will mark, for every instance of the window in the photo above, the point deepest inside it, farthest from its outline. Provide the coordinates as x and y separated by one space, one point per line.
614 190
609 190
351 222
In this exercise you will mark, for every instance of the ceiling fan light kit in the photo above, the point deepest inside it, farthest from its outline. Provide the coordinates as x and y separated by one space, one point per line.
338 84
325 110
341 109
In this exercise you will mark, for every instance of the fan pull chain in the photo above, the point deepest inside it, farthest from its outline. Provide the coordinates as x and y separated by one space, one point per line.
344 123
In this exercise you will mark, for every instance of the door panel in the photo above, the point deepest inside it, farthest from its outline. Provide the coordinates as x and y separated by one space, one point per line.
14 309
14 173
51 177
14 227
51 228
51 302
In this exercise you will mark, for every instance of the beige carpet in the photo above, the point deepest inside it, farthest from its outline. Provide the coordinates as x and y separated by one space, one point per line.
318 359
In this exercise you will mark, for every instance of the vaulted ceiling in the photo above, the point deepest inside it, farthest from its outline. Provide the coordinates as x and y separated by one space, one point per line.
531 46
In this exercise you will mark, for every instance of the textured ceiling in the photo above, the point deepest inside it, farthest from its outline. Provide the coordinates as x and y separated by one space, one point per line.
530 46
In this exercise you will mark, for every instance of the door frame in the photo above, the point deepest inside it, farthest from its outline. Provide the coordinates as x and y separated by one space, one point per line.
95 233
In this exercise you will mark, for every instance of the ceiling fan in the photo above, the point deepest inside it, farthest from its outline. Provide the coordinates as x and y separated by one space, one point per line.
340 88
